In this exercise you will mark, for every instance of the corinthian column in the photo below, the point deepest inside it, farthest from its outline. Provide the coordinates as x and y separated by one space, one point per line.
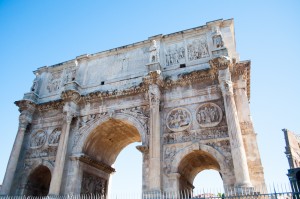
154 79
27 109
236 141
70 110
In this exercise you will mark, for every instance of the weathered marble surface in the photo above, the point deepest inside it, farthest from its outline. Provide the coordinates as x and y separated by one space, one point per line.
184 96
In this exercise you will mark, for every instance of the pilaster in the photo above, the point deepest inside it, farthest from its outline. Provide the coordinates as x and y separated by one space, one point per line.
70 109
154 81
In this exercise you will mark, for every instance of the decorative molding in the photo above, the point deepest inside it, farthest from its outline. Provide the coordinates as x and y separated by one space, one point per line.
52 105
97 164
196 135
155 77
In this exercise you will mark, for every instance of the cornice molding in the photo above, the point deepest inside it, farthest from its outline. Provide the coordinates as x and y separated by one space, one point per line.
154 77
97 164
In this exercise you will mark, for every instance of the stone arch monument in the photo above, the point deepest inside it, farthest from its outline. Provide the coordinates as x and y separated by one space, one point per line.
183 96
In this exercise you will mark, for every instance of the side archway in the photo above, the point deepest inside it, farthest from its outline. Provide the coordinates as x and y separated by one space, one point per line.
192 159
38 181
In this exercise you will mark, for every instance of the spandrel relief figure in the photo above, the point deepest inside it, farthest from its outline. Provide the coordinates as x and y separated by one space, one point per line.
178 119
209 115
38 139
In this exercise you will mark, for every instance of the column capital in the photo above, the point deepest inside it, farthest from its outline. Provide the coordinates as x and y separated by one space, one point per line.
26 109
71 96
26 105
221 63
154 77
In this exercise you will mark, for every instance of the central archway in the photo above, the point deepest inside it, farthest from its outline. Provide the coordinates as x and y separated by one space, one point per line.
103 145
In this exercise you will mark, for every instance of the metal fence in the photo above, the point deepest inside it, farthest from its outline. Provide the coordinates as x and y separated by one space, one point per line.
271 192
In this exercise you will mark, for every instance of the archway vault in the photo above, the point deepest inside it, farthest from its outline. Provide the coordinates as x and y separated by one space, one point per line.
107 140
133 123
38 182
195 162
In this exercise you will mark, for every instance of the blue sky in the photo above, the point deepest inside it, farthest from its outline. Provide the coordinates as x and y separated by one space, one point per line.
39 33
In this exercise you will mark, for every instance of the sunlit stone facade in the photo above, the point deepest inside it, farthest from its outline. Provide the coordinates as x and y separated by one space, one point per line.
184 96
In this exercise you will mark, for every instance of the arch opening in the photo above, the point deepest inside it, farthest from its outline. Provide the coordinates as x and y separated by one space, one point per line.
38 182
103 145
192 164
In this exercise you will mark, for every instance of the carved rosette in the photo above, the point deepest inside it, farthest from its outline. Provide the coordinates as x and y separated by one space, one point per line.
209 115
179 119
38 139
54 137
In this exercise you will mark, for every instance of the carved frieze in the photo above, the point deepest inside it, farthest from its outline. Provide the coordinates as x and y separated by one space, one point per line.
54 137
54 82
174 54
38 139
196 135
41 152
93 184
209 115
197 49
179 119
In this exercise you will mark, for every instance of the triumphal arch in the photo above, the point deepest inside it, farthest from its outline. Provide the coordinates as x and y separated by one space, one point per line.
183 96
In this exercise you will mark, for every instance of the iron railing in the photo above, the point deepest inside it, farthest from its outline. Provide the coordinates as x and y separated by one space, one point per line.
271 192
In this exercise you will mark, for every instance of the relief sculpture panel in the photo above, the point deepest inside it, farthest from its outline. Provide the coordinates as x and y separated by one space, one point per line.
38 139
209 115
197 49
54 137
174 54
179 119
93 184
54 82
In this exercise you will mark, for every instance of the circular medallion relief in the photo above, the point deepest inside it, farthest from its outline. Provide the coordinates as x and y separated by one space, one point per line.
209 115
54 137
38 139
178 119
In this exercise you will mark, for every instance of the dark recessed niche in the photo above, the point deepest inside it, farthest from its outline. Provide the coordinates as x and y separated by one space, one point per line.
102 83
182 66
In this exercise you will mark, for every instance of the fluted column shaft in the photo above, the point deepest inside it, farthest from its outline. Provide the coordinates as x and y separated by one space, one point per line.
60 156
154 139
236 141
24 120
